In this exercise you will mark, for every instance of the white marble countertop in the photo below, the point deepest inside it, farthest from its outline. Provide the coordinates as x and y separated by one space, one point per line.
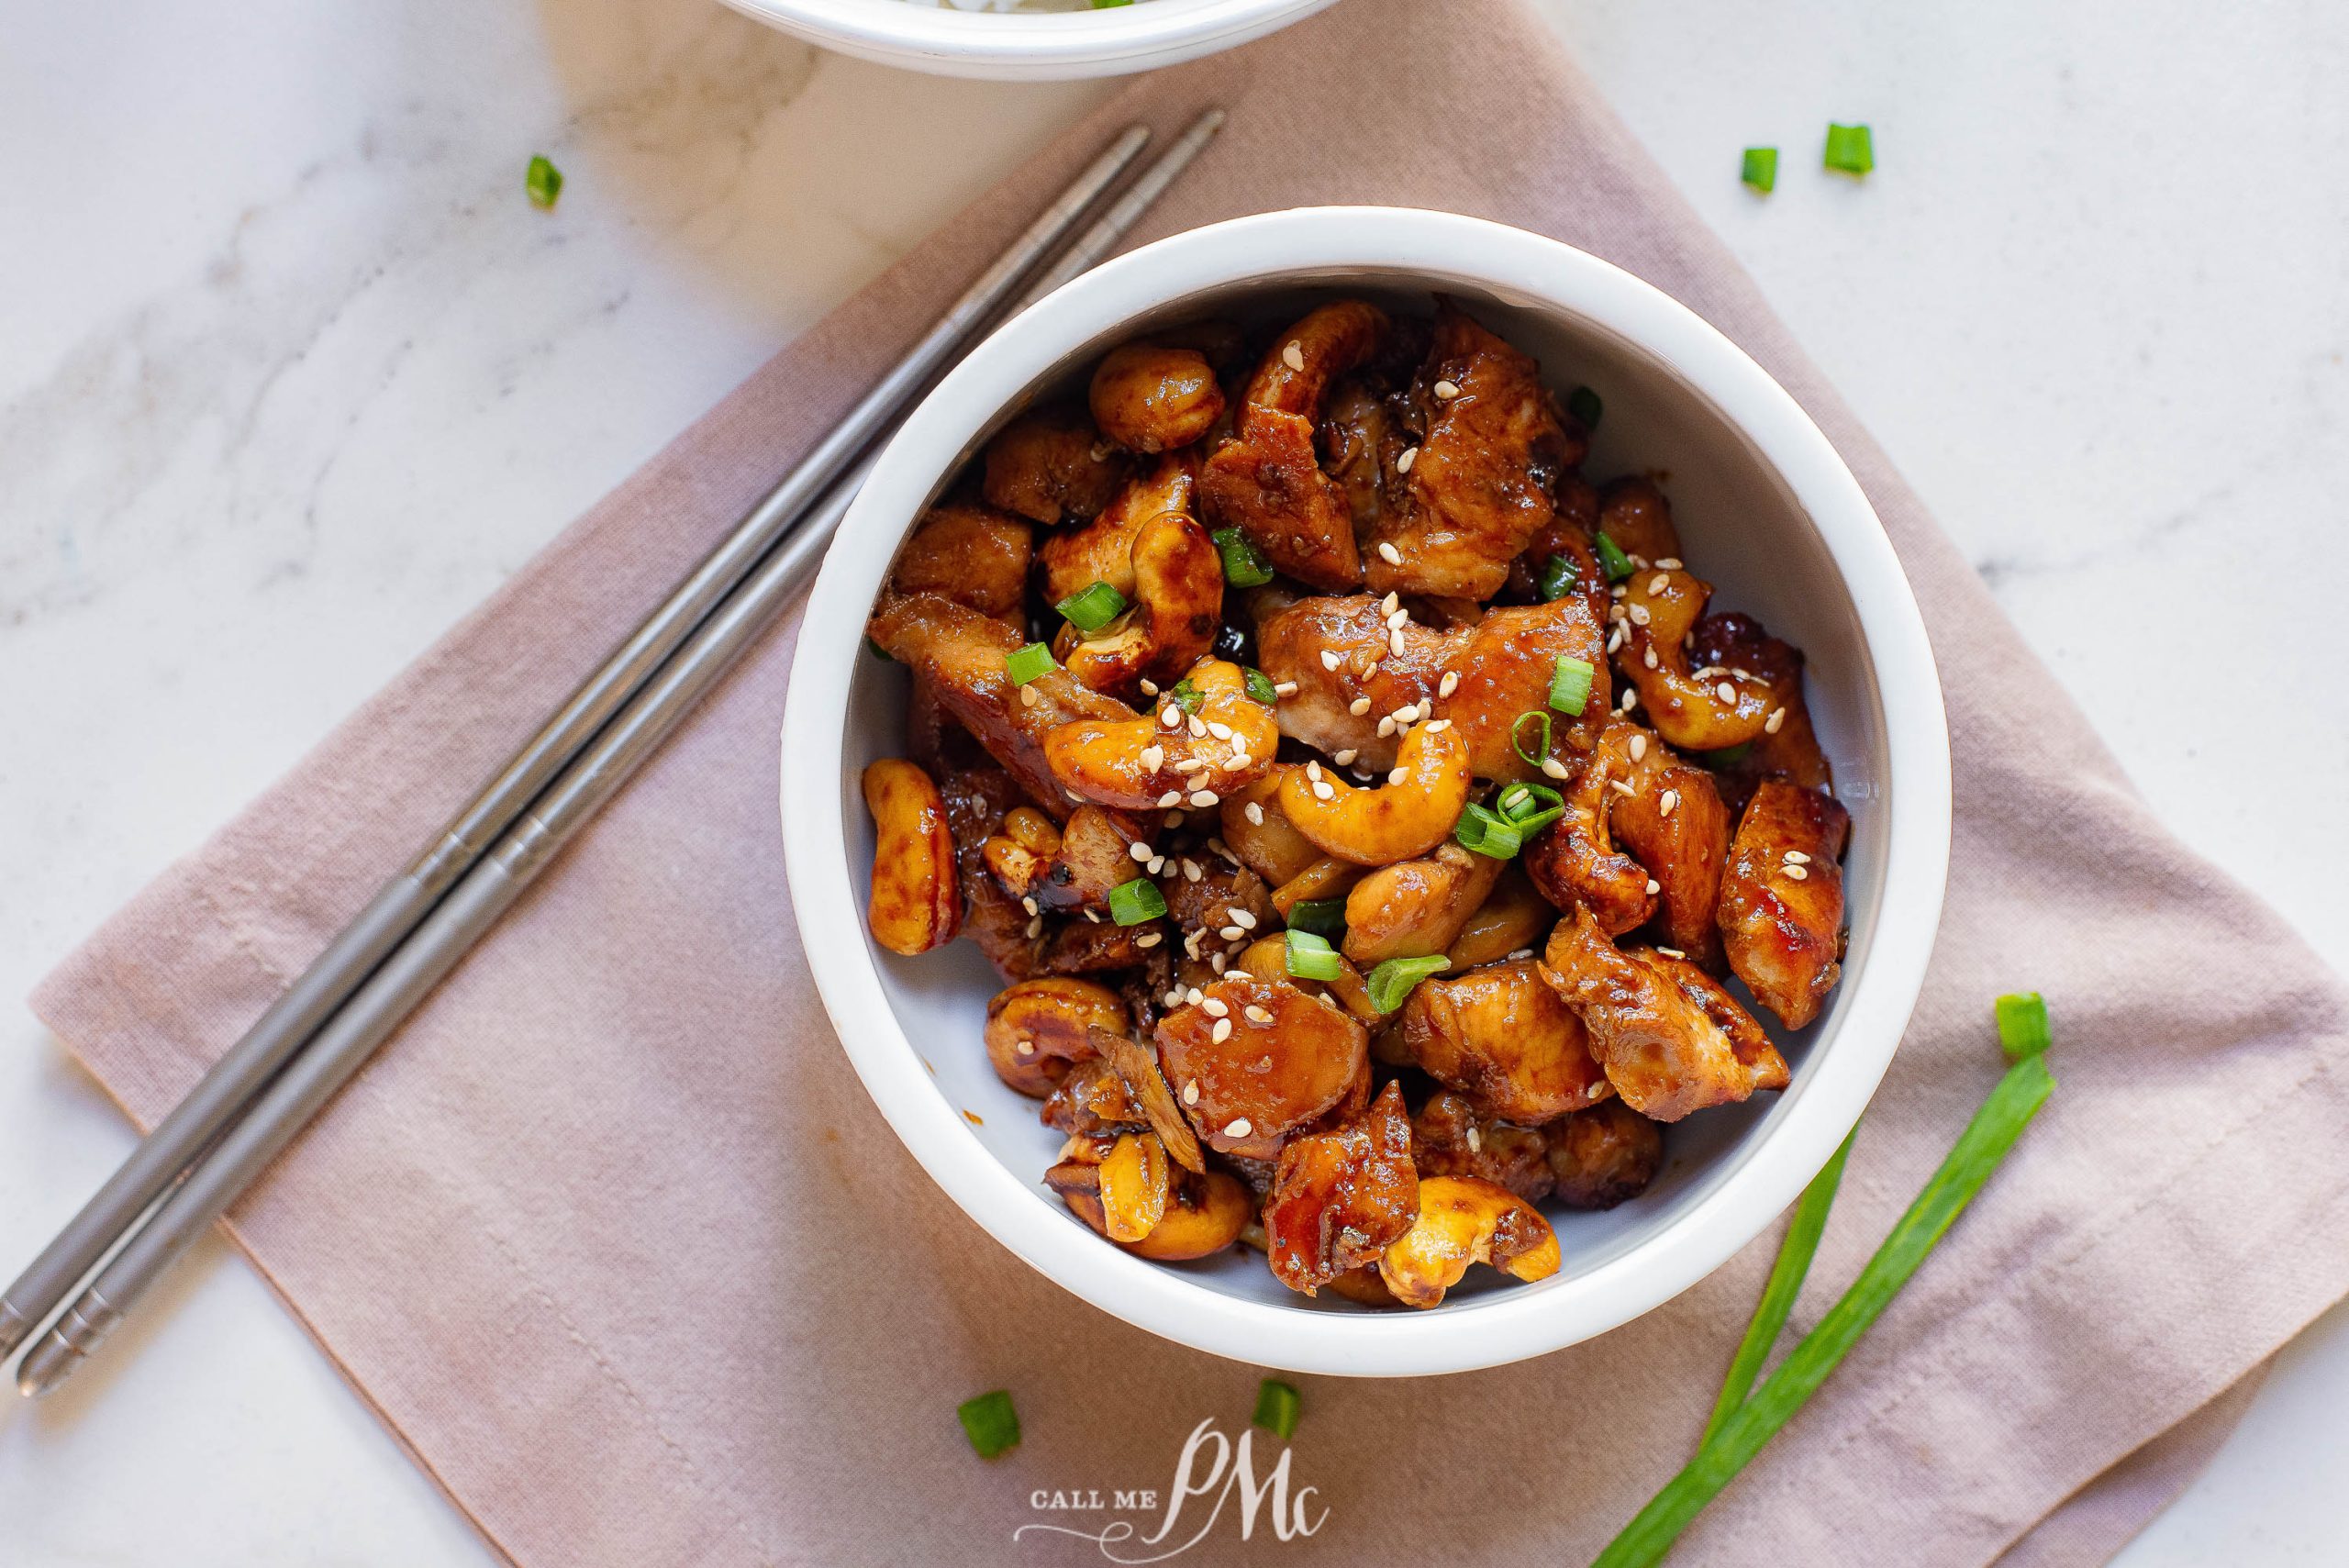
291 376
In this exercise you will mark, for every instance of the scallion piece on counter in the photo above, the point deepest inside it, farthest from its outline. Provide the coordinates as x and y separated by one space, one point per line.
1260 686
1392 981
1570 685
1978 1150
1025 664
1612 558
1277 1408
1761 168
1517 736
1850 148
1310 957
1092 609
1558 577
1585 406
1185 695
990 1422
1131 903
1795 1253
1244 565
2023 1025
1486 832
1324 917
544 181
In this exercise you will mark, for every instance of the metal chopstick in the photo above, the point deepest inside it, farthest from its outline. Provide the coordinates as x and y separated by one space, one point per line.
402 902
496 880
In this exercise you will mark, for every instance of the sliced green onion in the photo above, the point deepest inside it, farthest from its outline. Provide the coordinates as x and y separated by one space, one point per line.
1093 608
1106 5
1570 685
1486 832
1025 664
544 181
1277 1403
1978 1150
1324 917
1850 148
1185 695
1585 406
879 652
1260 686
1529 807
1244 565
1310 957
1778 1296
1392 981
1558 577
990 1423
1761 168
1612 558
1726 756
1541 751
2023 1025
1131 903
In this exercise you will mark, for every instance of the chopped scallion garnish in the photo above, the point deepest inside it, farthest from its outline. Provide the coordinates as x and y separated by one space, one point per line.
1277 1403
1570 685
2023 1025
1025 664
1558 577
1092 609
1529 807
1487 832
1260 686
544 181
1612 558
1392 981
1310 957
1324 917
1517 736
1761 168
1585 406
1185 695
990 1422
1131 903
1244 565
1850 148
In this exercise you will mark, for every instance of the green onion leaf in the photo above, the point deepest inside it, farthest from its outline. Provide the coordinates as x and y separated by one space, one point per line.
544 181
1392 981
1277 1405
1244 565
990 1423
1486 832
1778 1296
1093 608
1106 5
1726 756
1570 685
878 651
1025 664
1978 1150
2022 1026
1131 903
1541 749
1612 558
1185 695
1850 148
1260 686
1762 169
1310 957
1585 406
1558 577
1324 917
1521 802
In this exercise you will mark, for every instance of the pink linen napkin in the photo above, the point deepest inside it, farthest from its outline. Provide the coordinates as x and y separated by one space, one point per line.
612 1239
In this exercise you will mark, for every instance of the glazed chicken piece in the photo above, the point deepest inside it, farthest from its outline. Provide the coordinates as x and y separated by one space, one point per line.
971 553
1574 520
1574 861
1673 822
1102 551
1051 464
1663 1047
1451 1138
1504 664
1787 747
1478 487
1266 480
1782 900
1599 1157
1174 579
1634 513
1504 1037
1360 441
1255 1060
978 801
1340 1198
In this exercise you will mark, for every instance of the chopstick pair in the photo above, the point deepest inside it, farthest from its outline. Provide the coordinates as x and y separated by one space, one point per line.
256 1099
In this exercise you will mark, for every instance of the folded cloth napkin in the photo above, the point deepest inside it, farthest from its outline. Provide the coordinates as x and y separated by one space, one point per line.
612 1239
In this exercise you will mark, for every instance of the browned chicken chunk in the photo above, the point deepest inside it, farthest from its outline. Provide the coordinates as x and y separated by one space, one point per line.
1255 1060
1782 900
969 553
1599 1157
1051 464
1340 1196
1451 1138
1504 1037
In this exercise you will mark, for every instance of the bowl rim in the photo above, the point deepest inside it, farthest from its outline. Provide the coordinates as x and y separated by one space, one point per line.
1302 246
1036 38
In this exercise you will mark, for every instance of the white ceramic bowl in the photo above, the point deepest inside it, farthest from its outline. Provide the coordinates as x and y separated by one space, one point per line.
1033 46
1768 513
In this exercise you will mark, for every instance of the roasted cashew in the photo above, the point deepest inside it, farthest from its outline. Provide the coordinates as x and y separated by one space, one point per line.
1177 606
1266 480
915 904
1205 1215
1664 1051
1414 908
1601 1156
971 553
1050 464
1658 611
1075 1177
1514 917
1269 955
1149 398
1038 1029
1256 1059
1504 1037
1019 852
1782 899
1452 1138
1259 832
1073 559
1169 759
1394 821
1339 1197
1787 747
1463 1220
1136 1179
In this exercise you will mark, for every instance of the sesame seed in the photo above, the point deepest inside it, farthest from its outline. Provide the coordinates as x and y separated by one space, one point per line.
1027 697
1191 1094
1726 692
1647 656
1598 1088
1231 934
1555 768
1390 604
1449 684
1654 887
1324 790
1639 614
1671 798
1171 717
1394 644
1220 730
1672 953
1194 995
1658 584
1770 725
1408 712
1345 758
1255 813
1192 870
1796 873
1446 391
1669 562
1157 864
1283 688
1437 726
1631 699
1615 638
1204 797
1388 554
1036 927
1149 688
1359 707
1093 917
1328 660
1385 727
1240 1127
1639 748
1029 903
1140 852
1174 818
1192 765
1398 617
1171 797
1214 1007
1372 668
1238 762
1520 952
1215 961
1398 775
1153 756
1742 673
1620 787
1174 999
1410 455
1244 920
1027 1048
1313 771
1797 858
1199 728
1476 1140
1149 938
1292 356
1221 848
1257 1014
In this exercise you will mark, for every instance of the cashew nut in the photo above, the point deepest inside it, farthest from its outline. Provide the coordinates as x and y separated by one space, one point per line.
1415 908
1339 1197
1019 852
1050 464
1394 821
1205 1215
1781 908
1463 1220
914 905
1149 398
1599 1157
1501 1035
1135 1180
1635 515
1177 605
1259 832
1038 1029
1073 559
1255 1059
1787 747
1513 916
1658 611
1169 759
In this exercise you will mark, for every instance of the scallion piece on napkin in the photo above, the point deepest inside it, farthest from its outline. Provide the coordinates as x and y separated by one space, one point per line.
1585 406
1761 168
544 181
1978 1150
1850 148
1611 559
990 1422
1392 981
1131 903
1778 1296
2023 1025
1244 565
1570 683
1025 664
1310 957
1092 609
1277 1408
